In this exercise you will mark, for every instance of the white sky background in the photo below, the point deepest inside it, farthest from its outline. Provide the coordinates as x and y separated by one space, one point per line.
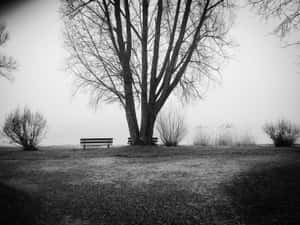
260 82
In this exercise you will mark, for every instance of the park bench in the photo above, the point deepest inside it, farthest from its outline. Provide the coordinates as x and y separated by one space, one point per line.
154 140
95 142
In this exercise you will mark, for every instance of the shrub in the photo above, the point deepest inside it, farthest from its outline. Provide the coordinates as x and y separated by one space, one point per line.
171 128
202 138
282 133
225 136
225 139
245 140
26 129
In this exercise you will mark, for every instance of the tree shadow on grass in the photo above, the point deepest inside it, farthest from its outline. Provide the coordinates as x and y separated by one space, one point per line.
17 207
267 196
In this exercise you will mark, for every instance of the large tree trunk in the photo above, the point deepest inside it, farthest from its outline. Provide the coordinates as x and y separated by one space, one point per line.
145 134
130 107
148 118
132 126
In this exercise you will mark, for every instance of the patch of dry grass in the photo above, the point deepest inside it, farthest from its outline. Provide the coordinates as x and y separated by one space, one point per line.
140 185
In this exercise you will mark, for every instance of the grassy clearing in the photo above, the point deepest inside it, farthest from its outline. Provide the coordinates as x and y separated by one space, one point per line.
150 185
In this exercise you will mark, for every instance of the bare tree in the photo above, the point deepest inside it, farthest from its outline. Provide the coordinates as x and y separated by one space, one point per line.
7 64
288 12
139 52
26 129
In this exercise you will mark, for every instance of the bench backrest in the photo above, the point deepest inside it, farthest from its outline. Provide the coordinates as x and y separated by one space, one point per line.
95 140
154 140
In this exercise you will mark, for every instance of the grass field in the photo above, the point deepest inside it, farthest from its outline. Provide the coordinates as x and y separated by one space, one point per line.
150 185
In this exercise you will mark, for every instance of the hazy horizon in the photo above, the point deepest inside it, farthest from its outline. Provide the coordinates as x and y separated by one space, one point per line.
259 83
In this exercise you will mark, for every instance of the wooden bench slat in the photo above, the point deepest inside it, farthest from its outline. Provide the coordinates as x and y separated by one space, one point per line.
154 140
100 141
96 139
95 142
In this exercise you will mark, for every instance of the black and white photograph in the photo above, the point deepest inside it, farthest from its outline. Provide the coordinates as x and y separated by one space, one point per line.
149 112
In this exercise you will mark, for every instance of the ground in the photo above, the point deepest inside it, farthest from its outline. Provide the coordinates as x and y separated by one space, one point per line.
150 185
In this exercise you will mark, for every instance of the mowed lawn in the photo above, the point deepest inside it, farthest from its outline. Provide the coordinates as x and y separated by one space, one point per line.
150 185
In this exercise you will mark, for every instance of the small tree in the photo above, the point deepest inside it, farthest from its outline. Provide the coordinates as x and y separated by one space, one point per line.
282 133
26 129
171 127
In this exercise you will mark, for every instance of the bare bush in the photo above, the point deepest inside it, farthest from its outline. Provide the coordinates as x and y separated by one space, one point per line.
225 135
171 127
282 133
202 138
26 129
224 139
245 139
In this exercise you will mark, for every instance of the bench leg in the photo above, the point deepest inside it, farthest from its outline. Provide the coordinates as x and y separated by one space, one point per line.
84 147
108 145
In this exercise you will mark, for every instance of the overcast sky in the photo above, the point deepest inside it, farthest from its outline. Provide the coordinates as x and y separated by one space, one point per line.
260 83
